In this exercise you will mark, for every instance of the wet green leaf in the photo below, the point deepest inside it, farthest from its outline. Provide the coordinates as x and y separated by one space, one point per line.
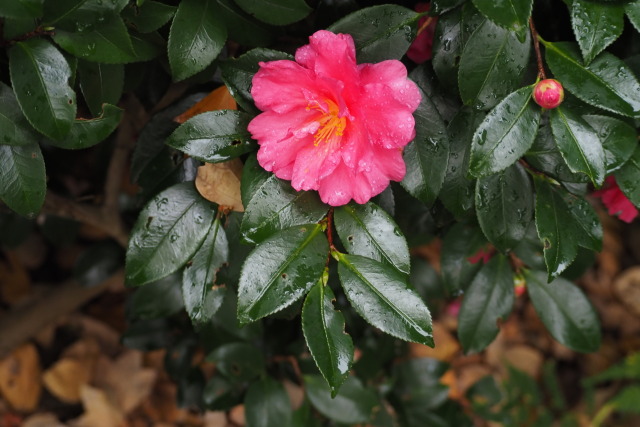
617 138
379 32
158 299
14 127
238 361
510 14
565 311
22 178
86 133
491 65
369 231
21 9
214 136
504 206
383 297
323 327
244 28
40 77
353 404
606 83
276 12
149 17
280 270
100 84
197 36
489 298
596 26
460 242
169 230
505 134
628 178
201 298
632 9
578 143
267 404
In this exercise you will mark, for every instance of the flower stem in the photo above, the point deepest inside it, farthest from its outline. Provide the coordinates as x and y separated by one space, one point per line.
424 26
536 46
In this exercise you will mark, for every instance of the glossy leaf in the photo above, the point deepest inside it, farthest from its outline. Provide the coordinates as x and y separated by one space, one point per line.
238 361
383 297
267 404
460 243
369 231
79 14
197 36
22 178
86 133
214 136
628 178
353 404
505 134
14 127
426 156
504 206
632 9
100 84
565 311
158 299
489 299
40 77
596 26
275 205
510 14
201 298
149 17
564 222
244 28
106 41
237 74
169 230
491 65
21 9
323 327
578 143
379 32
280 270
618 139
606 83
276 12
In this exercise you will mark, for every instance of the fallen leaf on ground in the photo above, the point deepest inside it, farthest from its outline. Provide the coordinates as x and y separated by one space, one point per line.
66 377
627 289
20 378
446 345
42 420
100 411
15 283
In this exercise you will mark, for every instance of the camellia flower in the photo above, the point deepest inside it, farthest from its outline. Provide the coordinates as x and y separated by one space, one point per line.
615 201
420 49
331 125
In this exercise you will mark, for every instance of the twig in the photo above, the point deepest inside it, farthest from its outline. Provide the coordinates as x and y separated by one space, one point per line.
39 31
536 46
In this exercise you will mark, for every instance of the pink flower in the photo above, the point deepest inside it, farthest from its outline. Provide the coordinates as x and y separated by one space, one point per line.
484 254
615 201
420 49
331 125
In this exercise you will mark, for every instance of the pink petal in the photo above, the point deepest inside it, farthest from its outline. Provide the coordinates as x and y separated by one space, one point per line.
314 163
336 189
282 86
330 55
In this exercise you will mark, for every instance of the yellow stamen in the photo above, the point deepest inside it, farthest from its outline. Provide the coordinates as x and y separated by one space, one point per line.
331 125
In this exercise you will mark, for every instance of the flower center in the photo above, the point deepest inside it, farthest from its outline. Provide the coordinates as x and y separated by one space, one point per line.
331 124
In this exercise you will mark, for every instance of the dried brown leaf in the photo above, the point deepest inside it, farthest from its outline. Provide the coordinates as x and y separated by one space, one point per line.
220 183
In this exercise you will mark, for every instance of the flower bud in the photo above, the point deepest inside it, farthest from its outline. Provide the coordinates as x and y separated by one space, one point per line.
548 93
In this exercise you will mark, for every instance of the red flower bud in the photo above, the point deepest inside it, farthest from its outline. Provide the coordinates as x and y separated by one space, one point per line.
548 93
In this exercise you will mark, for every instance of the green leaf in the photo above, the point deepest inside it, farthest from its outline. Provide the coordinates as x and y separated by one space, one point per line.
369 231
353 404
323 327
169 230
491 65
86 133
244 28
21 9
238 361
505 134
40 76
510 14
79 14
489 299
565 311
280 270
441 6
276 12
197 36
149 17
626 400
201 298
267 404
383 297
147 46
214 136
275 205
237 74
14 127
628 178
460 242
564 222
578 143
100 84
596 26
379 32
632 9
457 193
618 139
23 181
158 299
426 156
606 83
504 205
107 41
